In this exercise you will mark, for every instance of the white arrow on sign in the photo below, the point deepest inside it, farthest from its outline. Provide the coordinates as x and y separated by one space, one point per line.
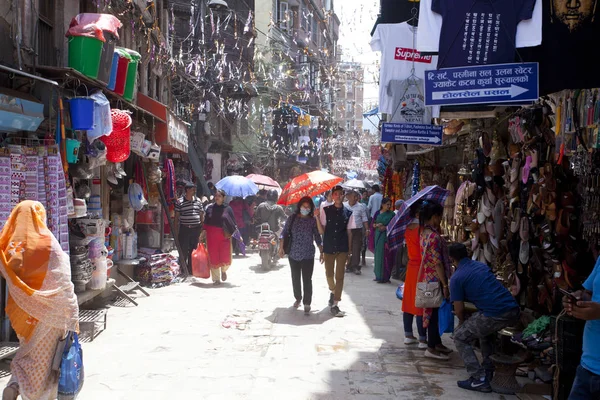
420 139
512 91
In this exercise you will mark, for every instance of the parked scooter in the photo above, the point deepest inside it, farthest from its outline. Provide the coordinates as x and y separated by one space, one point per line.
268 246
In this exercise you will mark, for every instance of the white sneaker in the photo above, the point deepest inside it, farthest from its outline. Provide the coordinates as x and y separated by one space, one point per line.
423 346
408 340
429 354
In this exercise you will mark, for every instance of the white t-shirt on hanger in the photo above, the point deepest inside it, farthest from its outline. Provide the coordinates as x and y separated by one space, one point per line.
396 44
529 32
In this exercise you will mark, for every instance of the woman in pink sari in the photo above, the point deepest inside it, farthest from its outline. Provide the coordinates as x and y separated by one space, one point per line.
219 227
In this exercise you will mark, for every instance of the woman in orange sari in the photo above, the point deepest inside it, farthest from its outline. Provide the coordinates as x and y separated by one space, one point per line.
42 306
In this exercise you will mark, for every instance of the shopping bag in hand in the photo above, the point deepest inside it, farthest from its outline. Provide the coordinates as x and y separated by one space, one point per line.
446 318
200 268
400 291
70 380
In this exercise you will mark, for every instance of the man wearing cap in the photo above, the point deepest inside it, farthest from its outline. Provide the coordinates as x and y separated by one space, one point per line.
189 216
337 239
358 223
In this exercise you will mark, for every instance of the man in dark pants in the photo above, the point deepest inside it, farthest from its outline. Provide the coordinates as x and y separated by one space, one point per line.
358 223
475 282
189 216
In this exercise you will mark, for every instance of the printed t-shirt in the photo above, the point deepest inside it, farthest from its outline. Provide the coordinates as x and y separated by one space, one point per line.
529 32
408 102
396 44
477 32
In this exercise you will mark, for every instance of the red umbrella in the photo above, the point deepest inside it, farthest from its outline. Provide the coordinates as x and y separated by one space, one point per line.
310 184
263 180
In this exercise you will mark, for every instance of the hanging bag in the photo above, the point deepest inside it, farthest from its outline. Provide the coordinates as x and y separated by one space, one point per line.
71 376
200 268
429 295
287 240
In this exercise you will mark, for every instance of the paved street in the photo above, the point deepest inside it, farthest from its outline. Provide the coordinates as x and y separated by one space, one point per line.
242 340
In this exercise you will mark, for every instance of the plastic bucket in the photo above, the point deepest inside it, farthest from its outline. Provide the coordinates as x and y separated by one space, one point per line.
106 59
72 150
130 85
82 113
113 72
121 76
85 54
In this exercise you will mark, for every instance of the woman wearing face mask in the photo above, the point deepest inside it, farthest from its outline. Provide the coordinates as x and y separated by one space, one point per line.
301 229
436 267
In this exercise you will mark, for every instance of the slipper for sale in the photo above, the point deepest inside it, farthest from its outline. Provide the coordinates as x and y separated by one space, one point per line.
524 229
524 252
526 169
499 219
516 221
494 242
487 206
487 252
480 213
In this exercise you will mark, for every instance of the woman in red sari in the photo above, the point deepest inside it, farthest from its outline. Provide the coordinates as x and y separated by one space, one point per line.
219 226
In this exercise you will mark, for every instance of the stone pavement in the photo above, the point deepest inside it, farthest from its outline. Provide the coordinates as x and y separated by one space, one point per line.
242 340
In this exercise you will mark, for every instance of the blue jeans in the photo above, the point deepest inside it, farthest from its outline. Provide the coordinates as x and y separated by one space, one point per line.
408 326
586 385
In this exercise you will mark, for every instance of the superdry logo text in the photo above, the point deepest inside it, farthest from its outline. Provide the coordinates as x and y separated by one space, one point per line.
406 54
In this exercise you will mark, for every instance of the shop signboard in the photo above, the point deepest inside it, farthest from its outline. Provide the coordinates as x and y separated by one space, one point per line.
411 134
482 84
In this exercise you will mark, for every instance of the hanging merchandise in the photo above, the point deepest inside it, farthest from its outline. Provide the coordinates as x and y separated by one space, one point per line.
479 32
136 197
399 60
102 117
416 178
118 142
82 113
408 101
529 32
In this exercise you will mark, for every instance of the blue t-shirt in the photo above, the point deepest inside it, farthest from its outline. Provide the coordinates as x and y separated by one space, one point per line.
591 335
477 32
474 282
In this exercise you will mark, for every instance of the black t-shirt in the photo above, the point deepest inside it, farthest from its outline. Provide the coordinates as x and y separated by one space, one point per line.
478 32
570 36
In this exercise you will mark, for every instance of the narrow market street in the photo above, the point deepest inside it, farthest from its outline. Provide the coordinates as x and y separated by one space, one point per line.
242 340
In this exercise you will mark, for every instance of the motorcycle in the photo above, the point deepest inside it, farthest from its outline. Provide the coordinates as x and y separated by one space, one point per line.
268 246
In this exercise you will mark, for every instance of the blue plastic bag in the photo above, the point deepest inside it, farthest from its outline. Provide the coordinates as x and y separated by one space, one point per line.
71 376
400 291
446 318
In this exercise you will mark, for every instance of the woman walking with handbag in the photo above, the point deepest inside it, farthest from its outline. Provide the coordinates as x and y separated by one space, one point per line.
219 226
297 238
433 277
42 306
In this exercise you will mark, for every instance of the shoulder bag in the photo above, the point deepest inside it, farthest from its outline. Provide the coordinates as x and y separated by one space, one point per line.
287 240
429 295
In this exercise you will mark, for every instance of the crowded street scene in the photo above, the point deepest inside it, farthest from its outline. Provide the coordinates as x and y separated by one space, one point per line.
299 199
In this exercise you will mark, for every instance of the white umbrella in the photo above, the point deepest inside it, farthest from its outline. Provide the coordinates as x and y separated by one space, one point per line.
354 184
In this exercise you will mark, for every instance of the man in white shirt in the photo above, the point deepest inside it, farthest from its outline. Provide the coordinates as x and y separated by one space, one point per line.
375 201
359 225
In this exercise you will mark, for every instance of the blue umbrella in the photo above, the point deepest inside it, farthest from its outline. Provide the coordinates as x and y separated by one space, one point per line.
237 186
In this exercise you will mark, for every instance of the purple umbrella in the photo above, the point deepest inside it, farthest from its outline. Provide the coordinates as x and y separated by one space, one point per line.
398 224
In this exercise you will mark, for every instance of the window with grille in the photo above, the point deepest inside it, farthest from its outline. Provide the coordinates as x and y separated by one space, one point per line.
284 16
46 51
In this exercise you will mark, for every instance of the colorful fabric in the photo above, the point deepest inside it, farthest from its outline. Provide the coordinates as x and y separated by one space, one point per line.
397 227
381 245
218 246
413 246
42 305
434 253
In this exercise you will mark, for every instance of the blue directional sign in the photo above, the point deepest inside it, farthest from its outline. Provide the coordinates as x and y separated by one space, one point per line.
482 84
411 134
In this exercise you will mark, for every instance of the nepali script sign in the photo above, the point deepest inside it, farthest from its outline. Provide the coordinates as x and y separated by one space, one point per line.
411 134
482 84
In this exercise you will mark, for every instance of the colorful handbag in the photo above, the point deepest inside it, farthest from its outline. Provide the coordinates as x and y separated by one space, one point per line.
429 294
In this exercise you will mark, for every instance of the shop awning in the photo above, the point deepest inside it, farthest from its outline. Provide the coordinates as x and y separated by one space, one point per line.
296 109
374 111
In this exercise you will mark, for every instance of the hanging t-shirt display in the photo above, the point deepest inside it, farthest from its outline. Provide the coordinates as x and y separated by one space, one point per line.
408 101
571 31
396 42
529 32
477 32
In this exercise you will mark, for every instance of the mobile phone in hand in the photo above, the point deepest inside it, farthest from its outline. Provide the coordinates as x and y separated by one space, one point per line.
569 294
